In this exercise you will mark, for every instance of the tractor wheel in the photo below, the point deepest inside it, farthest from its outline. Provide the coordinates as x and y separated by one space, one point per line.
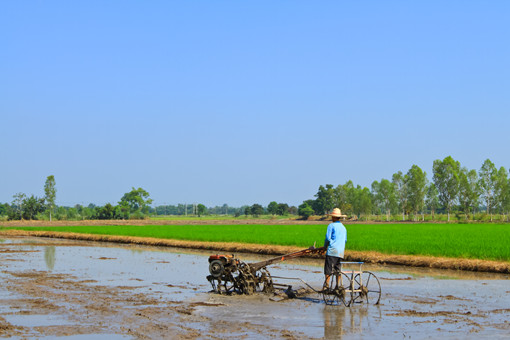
366 288
216 268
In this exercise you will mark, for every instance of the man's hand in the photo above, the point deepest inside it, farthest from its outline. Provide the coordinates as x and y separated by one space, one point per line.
321 250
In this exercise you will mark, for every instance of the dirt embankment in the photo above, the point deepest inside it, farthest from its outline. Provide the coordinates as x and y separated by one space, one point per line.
231 247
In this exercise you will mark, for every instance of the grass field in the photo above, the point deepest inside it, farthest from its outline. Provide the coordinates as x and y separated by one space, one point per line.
476 241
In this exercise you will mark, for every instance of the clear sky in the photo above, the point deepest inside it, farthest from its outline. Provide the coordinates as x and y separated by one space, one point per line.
244 102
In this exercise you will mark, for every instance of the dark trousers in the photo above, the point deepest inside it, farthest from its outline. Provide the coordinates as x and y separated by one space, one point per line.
331 264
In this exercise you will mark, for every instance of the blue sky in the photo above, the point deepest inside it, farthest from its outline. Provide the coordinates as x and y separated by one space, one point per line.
245 102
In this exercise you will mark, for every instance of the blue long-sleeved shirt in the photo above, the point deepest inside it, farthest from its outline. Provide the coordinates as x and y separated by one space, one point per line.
336 236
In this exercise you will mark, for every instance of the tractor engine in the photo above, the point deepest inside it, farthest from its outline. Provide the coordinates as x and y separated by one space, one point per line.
219 264
229 275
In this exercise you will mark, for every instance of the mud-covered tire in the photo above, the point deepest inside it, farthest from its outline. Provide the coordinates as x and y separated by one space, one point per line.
339 290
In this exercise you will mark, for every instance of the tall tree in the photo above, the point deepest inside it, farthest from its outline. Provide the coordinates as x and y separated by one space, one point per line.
432 200
384 193
305 210
399 181
201 210
376 199
17 204
446 180
468 191
4 209
272 208
488 178
256 210
325 199
50 193
282 209
343 197
416 184
363 201
311 203
506 198
135 200
502 191
32 206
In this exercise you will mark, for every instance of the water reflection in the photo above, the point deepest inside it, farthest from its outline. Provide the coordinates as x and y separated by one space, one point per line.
49 257
339 321
333 322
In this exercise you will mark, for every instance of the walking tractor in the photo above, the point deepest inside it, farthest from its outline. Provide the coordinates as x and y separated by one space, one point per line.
228 275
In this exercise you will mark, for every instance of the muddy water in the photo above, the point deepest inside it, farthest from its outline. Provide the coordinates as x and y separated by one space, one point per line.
88 290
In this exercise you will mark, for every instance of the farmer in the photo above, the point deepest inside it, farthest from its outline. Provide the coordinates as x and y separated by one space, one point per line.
336 236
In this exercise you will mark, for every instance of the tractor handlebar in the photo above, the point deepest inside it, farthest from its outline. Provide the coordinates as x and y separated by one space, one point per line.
311 250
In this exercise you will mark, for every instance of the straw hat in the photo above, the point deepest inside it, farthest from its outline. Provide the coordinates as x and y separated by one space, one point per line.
337 213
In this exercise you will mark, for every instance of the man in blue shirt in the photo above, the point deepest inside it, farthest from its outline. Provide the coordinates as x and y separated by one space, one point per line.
336 236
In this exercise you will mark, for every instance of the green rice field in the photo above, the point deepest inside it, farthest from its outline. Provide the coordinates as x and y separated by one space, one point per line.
476 241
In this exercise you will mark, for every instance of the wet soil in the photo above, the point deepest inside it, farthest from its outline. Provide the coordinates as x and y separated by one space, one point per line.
81 289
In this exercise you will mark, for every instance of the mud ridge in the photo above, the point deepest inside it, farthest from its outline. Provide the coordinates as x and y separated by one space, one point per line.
232 247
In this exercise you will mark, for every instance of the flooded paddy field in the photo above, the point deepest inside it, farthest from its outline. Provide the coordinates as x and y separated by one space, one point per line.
86 290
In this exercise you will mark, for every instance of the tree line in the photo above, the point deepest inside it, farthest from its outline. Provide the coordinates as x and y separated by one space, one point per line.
453 189
255 210
406 196
133 204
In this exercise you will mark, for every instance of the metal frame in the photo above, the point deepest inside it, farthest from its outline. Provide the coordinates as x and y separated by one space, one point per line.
352 286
